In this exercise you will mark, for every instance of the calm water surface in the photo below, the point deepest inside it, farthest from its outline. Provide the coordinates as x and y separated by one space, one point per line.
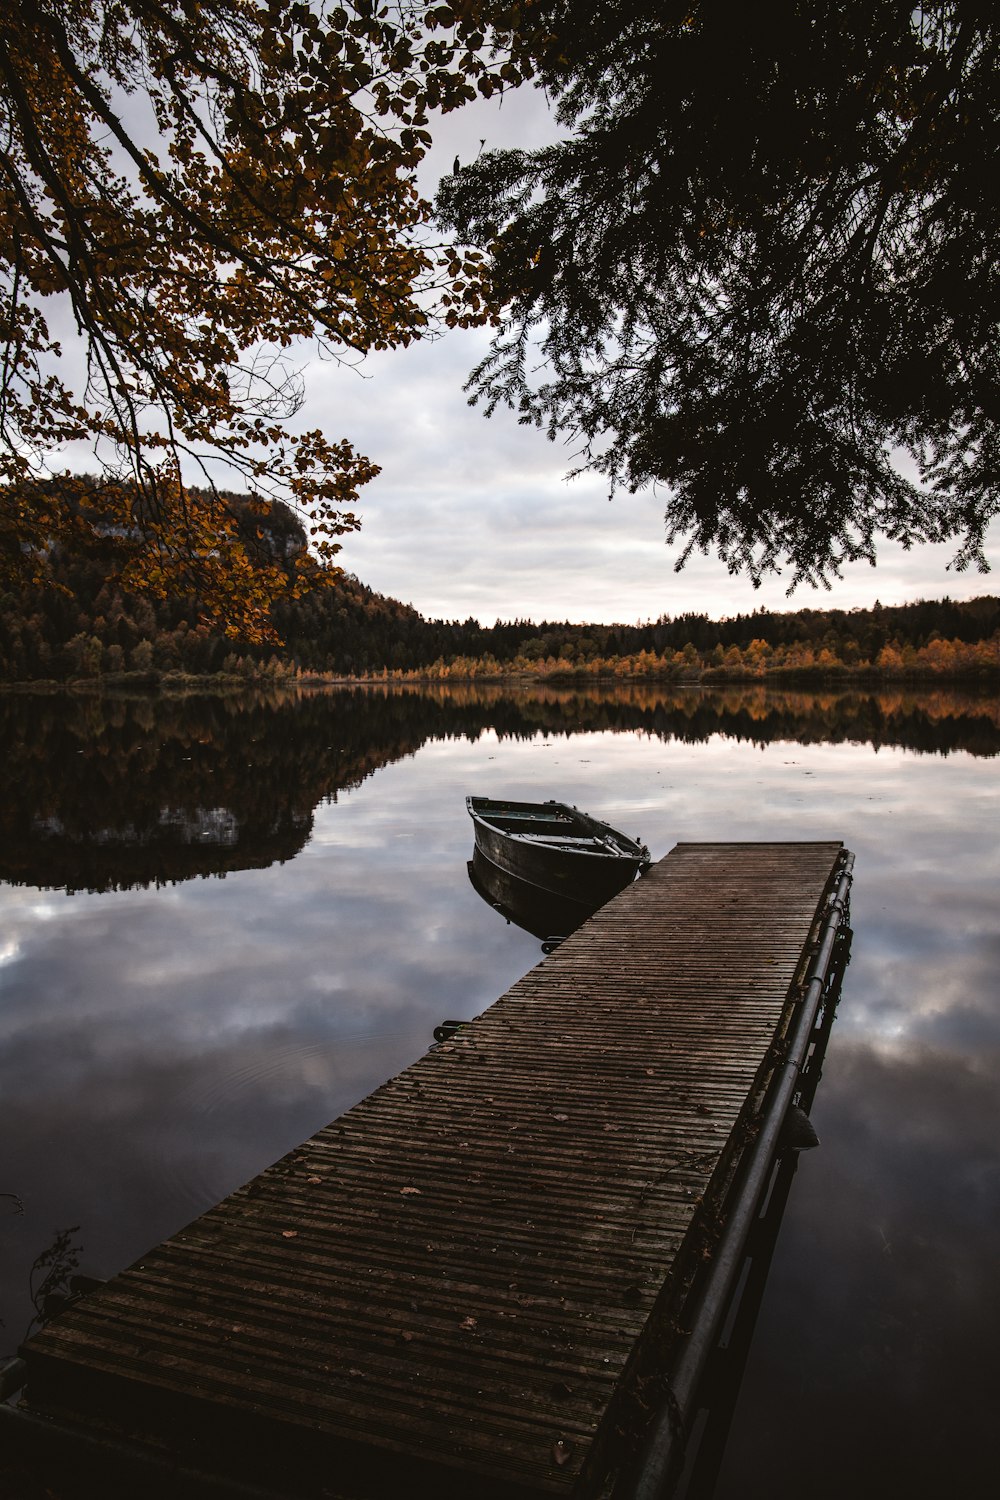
223 924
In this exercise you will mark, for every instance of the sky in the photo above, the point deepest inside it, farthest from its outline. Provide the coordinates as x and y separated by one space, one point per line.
475 517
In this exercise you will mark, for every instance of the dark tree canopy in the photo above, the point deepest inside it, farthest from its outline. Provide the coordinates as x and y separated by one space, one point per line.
187 187
761 268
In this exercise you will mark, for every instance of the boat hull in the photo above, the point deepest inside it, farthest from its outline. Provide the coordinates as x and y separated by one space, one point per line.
587 869
543 914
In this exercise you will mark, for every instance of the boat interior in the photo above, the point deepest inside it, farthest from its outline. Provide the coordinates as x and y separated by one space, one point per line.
513 820
538 828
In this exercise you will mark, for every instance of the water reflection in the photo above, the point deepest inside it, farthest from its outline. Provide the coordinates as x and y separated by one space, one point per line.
104 794
883 1306
159 1045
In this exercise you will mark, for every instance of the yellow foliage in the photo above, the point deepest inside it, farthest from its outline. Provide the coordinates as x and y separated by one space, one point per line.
277 202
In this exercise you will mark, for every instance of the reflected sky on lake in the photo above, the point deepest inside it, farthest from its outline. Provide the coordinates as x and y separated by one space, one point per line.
160 1046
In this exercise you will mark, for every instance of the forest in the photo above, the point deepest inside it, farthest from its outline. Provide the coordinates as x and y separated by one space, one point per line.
85 627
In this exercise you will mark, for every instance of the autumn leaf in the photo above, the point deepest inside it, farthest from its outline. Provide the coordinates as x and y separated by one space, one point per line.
270 204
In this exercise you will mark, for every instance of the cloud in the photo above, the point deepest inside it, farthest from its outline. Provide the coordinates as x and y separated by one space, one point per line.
476 516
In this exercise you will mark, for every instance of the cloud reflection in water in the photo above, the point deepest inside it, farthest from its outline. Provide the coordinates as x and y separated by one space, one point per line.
160 1046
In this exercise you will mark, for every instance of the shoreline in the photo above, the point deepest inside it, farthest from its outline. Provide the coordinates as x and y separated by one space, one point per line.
181 684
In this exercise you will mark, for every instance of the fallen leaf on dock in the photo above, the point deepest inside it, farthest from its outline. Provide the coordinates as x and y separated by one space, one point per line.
289 1234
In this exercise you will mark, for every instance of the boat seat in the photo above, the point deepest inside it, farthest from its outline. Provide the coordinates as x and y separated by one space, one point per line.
566 838
524 817
539 829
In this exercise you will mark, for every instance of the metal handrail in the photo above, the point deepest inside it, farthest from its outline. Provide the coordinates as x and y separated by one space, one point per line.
662 1452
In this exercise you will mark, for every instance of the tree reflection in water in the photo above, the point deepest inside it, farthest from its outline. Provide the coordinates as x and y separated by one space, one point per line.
106 793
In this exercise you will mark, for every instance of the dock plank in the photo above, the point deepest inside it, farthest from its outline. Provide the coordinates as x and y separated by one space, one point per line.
448 1285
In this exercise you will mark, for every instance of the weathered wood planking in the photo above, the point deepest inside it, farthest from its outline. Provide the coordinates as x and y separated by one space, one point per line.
448 1289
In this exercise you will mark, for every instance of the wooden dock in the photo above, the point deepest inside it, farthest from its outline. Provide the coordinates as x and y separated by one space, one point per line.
477 1280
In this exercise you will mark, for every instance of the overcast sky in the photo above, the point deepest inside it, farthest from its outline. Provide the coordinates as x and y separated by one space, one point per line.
474 516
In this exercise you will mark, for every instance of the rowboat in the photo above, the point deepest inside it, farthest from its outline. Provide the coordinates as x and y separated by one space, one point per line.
556 848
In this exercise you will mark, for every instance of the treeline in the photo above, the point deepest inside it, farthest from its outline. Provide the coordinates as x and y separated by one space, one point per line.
928 638
798 661
86 626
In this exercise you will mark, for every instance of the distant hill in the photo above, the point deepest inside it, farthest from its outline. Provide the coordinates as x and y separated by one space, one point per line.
87 626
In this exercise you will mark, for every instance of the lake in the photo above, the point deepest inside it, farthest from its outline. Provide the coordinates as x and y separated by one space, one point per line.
224 921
